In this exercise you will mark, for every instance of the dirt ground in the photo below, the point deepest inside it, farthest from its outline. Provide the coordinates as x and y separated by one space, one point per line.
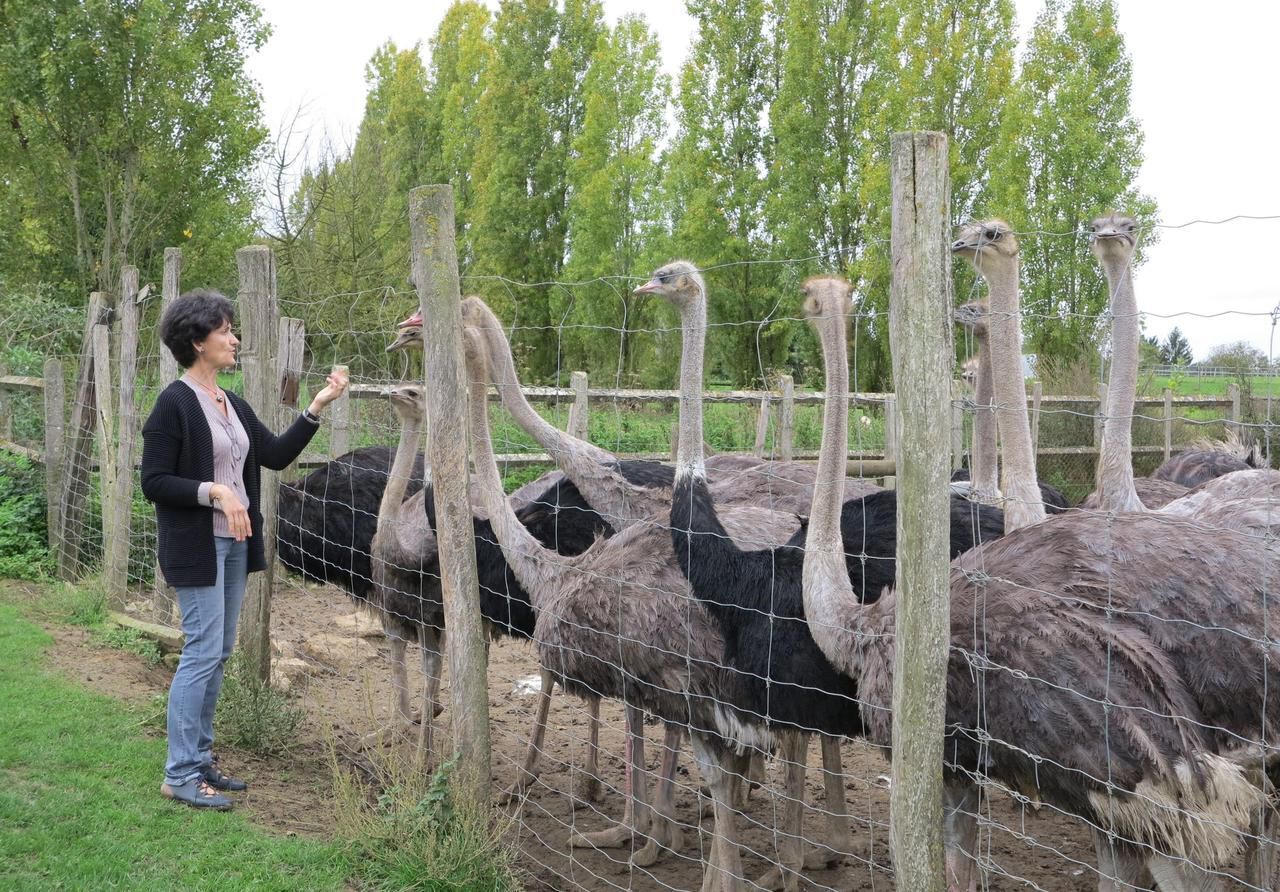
344 686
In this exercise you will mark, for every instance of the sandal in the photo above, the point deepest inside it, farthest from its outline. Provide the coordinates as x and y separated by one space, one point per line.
197 794
219 781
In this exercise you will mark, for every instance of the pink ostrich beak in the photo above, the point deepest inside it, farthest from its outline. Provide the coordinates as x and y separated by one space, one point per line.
415 319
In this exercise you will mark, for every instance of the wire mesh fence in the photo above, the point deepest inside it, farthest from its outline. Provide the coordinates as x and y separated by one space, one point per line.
1126 732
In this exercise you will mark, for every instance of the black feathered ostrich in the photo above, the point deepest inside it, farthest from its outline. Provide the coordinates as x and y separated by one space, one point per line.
1062 685
782 686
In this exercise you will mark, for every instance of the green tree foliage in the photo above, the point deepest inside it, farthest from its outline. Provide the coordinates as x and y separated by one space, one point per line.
531 109
717 184
1176 349
1238 355
1073 149
614 207
131 126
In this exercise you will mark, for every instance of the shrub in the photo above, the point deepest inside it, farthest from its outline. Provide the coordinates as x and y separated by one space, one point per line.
24 551
252 714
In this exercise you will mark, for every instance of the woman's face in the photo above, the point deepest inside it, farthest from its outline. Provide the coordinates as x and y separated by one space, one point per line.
219 348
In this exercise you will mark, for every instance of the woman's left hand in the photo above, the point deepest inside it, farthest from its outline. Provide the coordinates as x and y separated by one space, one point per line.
335 386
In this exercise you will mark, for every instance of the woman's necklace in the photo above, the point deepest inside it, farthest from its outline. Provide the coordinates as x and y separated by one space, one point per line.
212 391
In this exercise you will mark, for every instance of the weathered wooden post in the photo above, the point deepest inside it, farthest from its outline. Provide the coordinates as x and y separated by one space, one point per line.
105 421
1037 395
78 447
54 430
1168 423
1233 394
162 595
340 426
762 425
1100 416
891 428
435 272
117 559
957 427
6 414
787 418
258 337
577 426
920 335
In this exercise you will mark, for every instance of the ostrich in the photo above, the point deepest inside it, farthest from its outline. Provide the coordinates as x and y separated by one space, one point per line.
992 250
1206 459
781 687
618 621
984 454
327 519
1059 693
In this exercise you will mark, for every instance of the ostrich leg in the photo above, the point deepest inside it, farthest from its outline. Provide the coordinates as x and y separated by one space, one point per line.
533 752
1182 876
839 835
586 786
1121 867
722 770
635 819
665 831
430 640
960 832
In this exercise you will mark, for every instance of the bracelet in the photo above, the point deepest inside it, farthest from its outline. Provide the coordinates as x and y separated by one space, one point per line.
314 419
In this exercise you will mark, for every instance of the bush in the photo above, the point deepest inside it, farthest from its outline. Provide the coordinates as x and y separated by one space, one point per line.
24 551
253 715
412 835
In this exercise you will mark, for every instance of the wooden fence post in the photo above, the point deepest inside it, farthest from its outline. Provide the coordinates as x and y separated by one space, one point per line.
1233 394
762 426
923 356
289 355
435 273
78 448
891 428
54 430
578 411
787 418
117 560
957 428
163 598
1037 395
6 415
340 426
1168 423
107 467
1100 416
258 338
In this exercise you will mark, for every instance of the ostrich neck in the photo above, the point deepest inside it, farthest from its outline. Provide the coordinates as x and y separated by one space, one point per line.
1023 506
538 570
593 470
829 603
401 466
1116 491
984 459
693 320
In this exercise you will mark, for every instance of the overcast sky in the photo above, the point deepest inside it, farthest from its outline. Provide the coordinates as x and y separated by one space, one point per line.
1206 84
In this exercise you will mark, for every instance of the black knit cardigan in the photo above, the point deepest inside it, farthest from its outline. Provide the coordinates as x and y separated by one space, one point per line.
177 456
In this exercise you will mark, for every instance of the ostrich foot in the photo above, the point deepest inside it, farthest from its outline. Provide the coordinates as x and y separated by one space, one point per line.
518 790
665 835
609 838
587 790
814 859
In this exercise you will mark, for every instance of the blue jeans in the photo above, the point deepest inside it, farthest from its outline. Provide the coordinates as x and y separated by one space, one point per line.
209 617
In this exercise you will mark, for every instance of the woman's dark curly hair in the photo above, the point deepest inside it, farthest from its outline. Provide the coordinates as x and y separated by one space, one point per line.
193 317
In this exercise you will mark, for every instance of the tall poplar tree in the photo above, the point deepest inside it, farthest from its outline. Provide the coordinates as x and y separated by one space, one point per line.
1073 149
717 184
614 206
531 110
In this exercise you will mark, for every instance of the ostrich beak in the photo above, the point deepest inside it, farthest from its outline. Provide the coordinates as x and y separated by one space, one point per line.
408 335
650 287
415 319
962 245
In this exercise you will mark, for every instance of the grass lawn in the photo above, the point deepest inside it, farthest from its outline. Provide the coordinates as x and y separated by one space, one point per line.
80 806
1191 384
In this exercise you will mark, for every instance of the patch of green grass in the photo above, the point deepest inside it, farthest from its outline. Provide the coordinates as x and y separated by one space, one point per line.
84 604
133 641
80 804
1190 384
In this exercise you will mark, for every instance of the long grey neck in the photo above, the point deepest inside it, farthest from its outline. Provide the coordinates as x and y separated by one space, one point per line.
829 603
401 465
1116 491
1023 506
984 459
693 321
538 570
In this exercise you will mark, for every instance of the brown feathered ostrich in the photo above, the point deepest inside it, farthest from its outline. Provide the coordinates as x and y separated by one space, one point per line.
1069 690
1204 460
618 621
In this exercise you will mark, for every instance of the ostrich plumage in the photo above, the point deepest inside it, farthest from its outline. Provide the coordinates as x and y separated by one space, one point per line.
1056 687
1206 459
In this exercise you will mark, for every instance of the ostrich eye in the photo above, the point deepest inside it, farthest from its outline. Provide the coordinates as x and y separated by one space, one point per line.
992 234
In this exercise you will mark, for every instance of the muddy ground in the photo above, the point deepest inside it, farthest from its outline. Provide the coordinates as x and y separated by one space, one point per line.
342 681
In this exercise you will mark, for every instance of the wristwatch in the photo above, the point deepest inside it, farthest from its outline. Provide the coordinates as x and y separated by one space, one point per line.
314 419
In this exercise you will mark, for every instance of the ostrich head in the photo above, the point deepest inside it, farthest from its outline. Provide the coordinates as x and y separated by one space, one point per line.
969 371
973 317
1113 237
408 334
986 244
678 281
408 402
824 297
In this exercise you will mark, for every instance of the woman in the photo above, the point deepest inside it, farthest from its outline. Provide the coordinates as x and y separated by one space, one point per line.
202 451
